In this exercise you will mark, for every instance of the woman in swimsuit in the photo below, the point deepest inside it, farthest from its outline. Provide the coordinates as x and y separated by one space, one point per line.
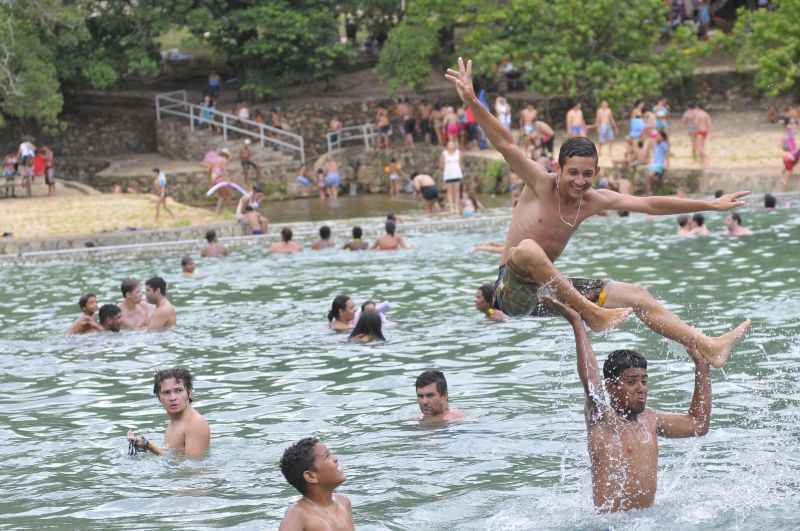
341 314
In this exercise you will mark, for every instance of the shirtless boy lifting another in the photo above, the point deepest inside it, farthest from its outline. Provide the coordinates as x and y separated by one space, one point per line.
622 432
550 209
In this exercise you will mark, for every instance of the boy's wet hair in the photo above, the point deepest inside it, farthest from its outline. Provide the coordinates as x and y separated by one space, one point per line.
578 146
211 236
325 232
390 228
769 201
186 260
432 376
157 283
487 291
622 359
296 459
128 285
699 218
84 300
179 373
357 233
683 219
107 312
286 234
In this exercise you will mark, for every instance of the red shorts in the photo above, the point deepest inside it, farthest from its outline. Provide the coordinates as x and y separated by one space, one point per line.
789 161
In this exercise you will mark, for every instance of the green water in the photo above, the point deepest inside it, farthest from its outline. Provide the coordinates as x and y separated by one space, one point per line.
268 372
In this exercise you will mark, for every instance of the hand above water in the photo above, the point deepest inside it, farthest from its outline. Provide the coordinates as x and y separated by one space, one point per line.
729 201
462 79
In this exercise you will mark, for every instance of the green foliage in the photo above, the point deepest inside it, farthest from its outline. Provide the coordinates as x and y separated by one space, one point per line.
271 43
405 57
604 49
770 40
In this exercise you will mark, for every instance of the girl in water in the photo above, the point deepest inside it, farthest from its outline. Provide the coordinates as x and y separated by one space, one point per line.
368 328
342 313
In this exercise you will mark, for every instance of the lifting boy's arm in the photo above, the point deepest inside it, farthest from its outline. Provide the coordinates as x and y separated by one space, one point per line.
498 135
696 421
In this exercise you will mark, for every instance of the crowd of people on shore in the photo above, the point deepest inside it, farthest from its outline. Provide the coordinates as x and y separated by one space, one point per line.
29 163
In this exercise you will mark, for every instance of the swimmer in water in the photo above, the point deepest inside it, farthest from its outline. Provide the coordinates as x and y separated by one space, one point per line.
213 248
86 322
311 468
135 311
187 430
368 328
341 314
699 225
357 243
188 266
163 316
432 398
483 303
286 245
110 318
389 241
734 225
622 432
550 210
685 226
324 241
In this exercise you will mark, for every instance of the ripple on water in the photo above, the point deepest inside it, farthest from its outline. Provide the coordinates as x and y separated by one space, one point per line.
252 328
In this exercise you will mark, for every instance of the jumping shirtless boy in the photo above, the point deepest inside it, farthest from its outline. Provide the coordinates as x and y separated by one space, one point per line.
550 209
622 432
187 430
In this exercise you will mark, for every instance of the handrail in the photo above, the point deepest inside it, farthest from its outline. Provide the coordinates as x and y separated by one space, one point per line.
177 104
363 132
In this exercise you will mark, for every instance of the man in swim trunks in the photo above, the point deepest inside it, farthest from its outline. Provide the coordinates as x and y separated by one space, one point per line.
389 241
432 398
187 430
324 241
160 189
384 127
254 221
622 433
163 315
135 311
187 266
550 209
311 468
703 121
689 119
426 187
546 136
332 179
86 322
246 158
110 318
286 245
606 128
357 243
213 248
576 125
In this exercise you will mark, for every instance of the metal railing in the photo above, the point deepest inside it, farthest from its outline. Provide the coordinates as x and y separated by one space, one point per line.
360 133
177 104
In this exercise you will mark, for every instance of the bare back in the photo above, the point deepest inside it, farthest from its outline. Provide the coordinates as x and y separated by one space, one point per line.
624 457
389 243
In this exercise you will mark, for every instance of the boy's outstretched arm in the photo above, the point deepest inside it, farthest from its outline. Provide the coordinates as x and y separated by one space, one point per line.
498 135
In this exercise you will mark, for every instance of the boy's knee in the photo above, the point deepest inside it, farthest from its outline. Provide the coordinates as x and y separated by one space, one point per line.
528 253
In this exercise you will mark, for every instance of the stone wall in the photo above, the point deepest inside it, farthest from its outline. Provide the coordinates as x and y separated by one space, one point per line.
367 169
89 132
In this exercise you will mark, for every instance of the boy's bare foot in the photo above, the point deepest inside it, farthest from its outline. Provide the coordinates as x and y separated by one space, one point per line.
604 319
718 350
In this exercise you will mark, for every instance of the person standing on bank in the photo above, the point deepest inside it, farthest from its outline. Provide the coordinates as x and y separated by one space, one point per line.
450 164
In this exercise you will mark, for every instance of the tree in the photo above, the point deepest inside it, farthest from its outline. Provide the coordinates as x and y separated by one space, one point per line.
414 43
271 43
604 49
770 40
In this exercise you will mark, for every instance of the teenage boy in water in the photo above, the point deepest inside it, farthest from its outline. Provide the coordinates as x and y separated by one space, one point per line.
163 316
86 322
187 430
135 311
550 209
311 468
622 432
